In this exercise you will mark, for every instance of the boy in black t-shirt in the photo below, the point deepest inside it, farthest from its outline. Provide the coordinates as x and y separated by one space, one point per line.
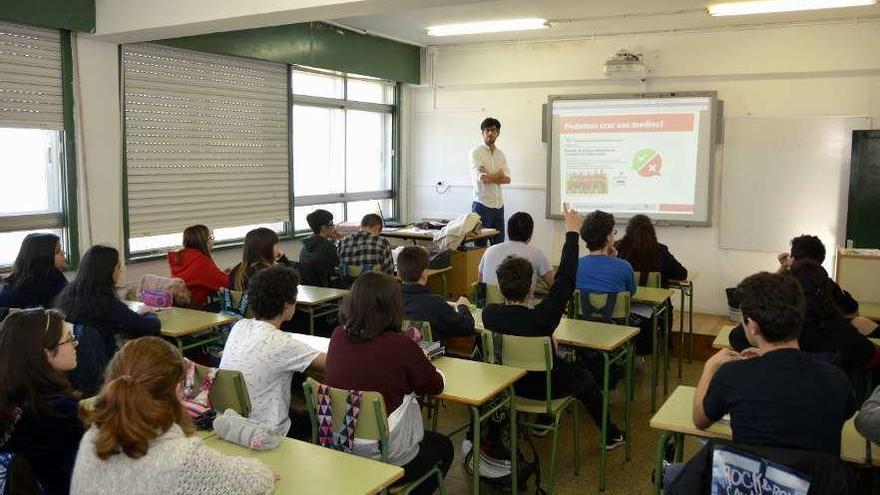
775 394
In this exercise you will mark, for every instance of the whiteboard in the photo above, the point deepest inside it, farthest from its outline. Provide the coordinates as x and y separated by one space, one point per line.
783 177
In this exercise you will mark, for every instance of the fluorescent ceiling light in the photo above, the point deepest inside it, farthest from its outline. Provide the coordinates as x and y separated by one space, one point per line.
488 27
769 6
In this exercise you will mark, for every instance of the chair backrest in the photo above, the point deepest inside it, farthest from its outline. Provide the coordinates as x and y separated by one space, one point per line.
348 272
650 279
235 297
493 294
424 327
488 341
372 420
528 353
230 392
620 311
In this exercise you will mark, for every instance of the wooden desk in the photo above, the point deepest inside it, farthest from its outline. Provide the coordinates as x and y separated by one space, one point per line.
189 328
675 418
870 310
308 469
656 299
614 343
475 384
318 301
722 340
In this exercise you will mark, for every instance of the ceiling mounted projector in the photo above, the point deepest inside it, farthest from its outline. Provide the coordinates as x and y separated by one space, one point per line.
625 65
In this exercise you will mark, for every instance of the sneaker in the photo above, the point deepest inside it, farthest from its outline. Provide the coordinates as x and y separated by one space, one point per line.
542 419
615 438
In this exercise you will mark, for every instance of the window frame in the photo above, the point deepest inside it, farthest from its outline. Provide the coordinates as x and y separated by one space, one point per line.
344 198
67 219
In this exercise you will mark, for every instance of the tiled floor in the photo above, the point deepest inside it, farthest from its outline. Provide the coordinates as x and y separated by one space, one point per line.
633 477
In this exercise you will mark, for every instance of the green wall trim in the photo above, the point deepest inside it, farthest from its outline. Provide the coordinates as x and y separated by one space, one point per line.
315 44
73 15
70 197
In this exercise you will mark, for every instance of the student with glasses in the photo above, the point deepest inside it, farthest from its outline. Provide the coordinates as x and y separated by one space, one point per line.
38 407
318 258
194 265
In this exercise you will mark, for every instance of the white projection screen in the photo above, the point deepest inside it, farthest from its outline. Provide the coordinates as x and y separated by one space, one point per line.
632 153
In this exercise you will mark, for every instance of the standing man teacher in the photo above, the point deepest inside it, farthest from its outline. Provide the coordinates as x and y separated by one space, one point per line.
488 171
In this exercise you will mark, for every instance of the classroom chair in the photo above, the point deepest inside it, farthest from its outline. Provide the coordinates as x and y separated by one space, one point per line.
649 279
348 273
372 424
228 391
536 354
608 309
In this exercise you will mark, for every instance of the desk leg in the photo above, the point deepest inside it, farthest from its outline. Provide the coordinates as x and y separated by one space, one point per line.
628 396
603 431
691 321
666 325
680 330
655 360
475 450
513 437
658 464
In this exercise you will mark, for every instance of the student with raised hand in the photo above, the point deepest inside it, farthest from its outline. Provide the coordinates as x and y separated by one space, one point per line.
369 352
520 227
91 299
601 271
38 407
639 246
268 357
140 439
514 317
420 304
366 247
194 265
318 257
36 277
262 249
776 395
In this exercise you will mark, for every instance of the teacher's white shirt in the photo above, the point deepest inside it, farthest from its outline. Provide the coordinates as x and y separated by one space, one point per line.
488 194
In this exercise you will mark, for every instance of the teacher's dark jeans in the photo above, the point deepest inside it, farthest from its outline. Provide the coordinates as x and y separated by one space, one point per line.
492 218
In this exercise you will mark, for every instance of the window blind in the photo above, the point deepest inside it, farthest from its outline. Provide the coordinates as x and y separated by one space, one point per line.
30 77
206 140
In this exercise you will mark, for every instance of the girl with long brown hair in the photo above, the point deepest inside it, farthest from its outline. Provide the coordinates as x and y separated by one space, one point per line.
140 440
262 249
38 408
194 265
640 247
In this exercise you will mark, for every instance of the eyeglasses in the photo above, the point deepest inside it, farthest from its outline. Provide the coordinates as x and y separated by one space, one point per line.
71 340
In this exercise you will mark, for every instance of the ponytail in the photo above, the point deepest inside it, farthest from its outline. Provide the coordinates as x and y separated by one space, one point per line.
139 399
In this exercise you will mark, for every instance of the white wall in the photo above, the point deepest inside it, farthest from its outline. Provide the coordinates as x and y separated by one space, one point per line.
829 69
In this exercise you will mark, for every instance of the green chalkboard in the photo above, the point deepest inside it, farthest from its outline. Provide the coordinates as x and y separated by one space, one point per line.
863 214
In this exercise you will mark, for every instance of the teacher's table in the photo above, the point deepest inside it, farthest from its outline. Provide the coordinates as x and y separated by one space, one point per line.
308 469
614 343
318 301
656 299
475 384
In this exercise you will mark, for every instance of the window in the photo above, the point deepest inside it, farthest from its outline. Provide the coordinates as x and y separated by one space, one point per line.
343 145
33 165
206 142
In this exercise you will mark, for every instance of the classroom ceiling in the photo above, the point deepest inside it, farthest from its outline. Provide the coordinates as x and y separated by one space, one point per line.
576 18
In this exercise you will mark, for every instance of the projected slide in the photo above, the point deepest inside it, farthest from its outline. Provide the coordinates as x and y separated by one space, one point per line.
632 156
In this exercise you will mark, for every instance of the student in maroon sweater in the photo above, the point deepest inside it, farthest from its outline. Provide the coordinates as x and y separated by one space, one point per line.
370 353
194 265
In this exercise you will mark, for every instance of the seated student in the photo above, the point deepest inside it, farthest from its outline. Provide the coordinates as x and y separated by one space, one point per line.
520 227
91 299
771 390
810 247
369 352
36 277
366 247
194 265
420 304
267 356
262 249
318 258
141 440
38 408
868 419
640 248
602 271
826 329
516 318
